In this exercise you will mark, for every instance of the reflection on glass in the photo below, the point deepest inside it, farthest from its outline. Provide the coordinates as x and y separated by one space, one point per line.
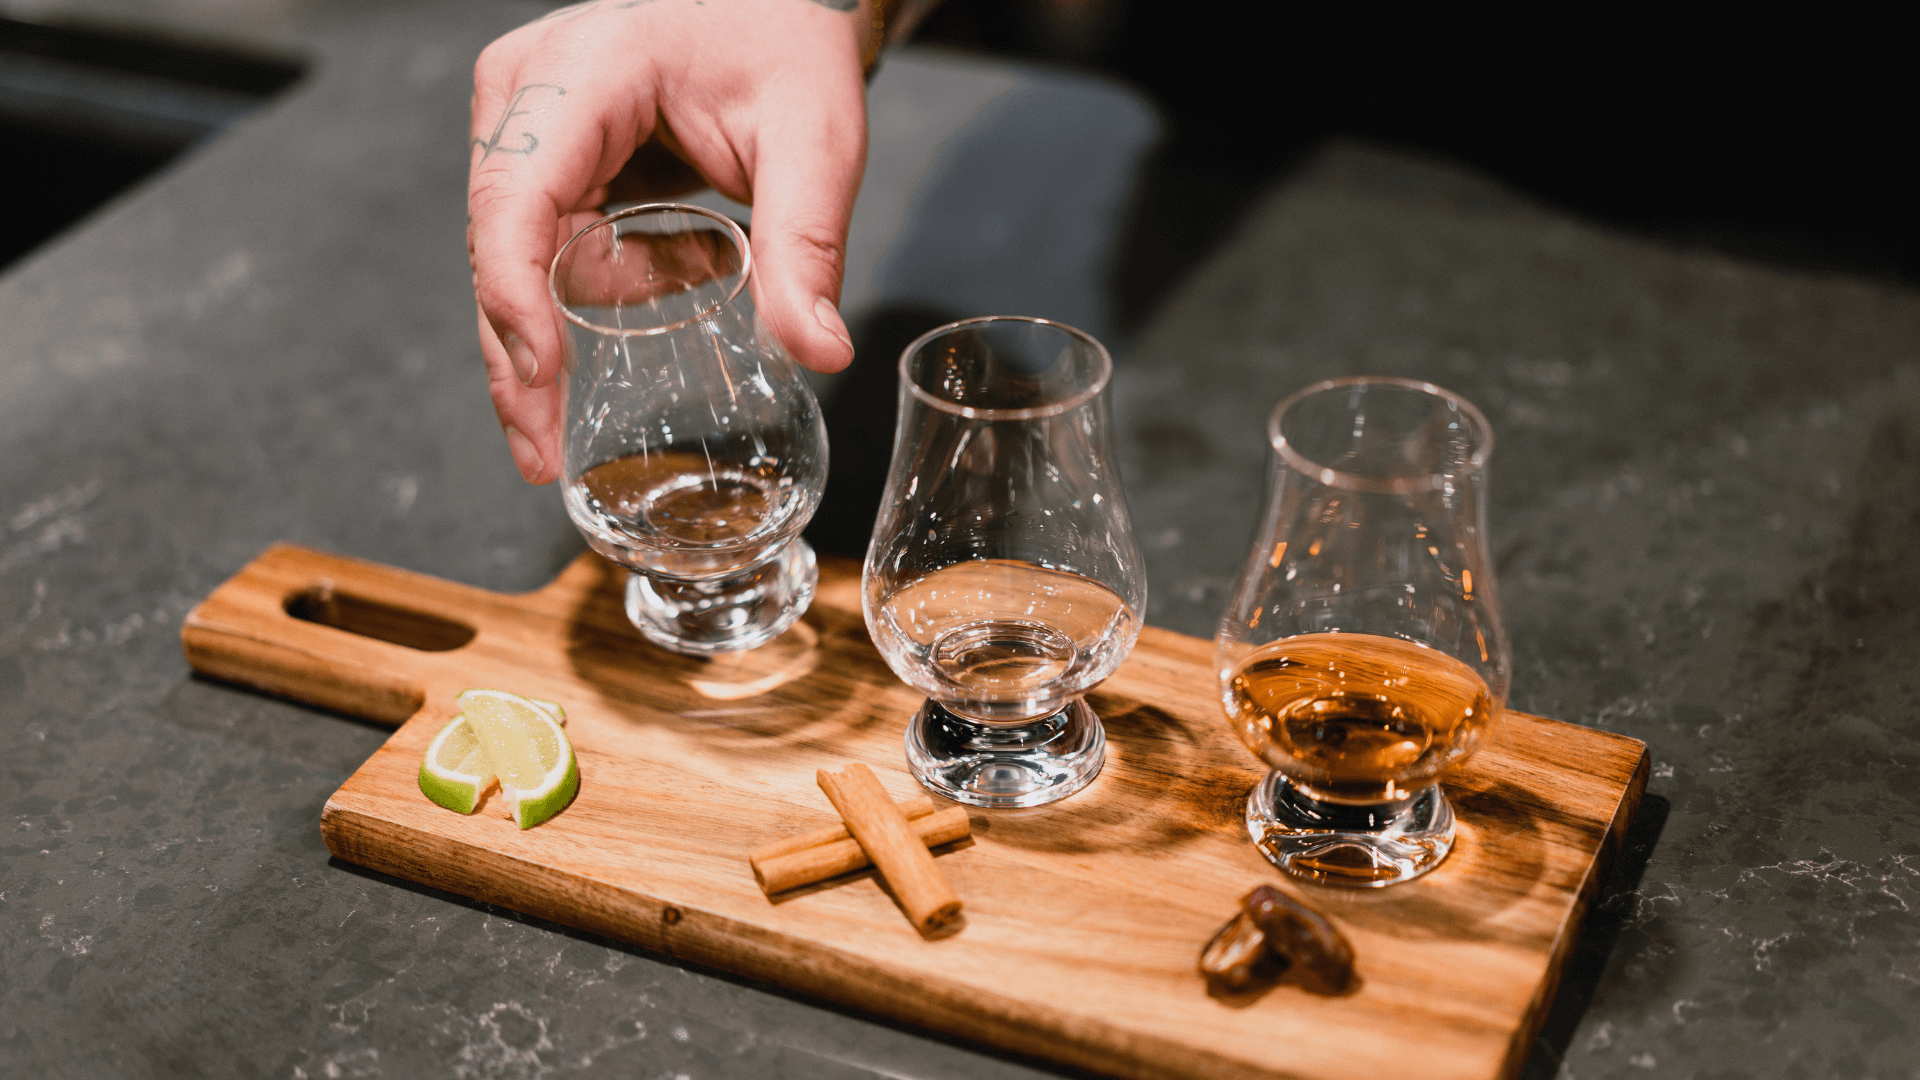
695 451
1362 653
1003 580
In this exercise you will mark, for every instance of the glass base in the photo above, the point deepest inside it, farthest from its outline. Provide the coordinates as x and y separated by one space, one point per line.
991 765
1338 844
731 614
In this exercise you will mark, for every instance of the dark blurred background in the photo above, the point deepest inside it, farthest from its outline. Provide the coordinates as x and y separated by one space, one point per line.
1777 141
1773 141
86 113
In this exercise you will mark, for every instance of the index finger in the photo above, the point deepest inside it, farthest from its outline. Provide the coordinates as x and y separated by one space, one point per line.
534 160
808 159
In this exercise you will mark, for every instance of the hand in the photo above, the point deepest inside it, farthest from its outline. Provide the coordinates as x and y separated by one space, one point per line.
763 97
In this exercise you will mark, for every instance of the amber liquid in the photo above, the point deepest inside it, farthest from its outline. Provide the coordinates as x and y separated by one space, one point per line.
1355 718
677 499
1000 635
682 515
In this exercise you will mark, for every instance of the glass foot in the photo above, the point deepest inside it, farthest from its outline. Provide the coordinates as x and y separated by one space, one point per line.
989 765
723 615
1337 844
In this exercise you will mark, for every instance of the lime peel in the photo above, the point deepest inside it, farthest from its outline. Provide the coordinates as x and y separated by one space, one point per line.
525 747
454 772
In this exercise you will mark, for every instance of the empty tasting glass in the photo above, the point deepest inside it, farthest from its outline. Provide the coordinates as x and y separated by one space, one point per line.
1003 580
695 451
1362 654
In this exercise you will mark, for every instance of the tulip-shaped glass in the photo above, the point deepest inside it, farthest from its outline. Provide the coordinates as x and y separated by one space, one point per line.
1003 580
1362 654
695 451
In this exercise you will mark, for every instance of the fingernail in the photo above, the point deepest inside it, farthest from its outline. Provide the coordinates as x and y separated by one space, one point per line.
525 457
829 319
525 364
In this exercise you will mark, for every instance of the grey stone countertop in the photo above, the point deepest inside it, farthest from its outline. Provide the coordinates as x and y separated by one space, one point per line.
1706 498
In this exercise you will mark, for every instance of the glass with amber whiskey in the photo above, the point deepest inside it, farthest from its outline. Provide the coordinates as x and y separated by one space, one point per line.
1362 654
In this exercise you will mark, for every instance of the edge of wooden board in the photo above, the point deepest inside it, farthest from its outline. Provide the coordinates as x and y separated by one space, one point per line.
1598 871
225 638
685 933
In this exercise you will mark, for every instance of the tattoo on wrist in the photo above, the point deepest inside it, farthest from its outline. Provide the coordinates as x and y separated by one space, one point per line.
838 5
528 142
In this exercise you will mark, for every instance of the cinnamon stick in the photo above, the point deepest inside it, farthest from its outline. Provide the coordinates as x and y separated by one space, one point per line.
787 864
882 831
917 807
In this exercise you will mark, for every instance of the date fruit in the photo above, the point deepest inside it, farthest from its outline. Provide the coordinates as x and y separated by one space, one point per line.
1322 959
1237 960
1273 934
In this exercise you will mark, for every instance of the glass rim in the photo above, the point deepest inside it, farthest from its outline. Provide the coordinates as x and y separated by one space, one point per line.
1476 461
1091 391
739 239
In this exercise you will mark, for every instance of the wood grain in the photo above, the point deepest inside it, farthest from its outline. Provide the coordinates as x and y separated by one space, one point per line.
1084 919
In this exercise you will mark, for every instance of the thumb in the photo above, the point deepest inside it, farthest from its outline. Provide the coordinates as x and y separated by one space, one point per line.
806 173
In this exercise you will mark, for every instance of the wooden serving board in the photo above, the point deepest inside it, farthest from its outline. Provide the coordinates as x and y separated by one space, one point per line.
1083 919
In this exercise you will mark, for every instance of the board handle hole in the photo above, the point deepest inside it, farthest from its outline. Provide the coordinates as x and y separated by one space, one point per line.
328 606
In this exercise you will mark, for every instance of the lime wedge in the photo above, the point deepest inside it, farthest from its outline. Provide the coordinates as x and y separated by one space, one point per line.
455 771
524 745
